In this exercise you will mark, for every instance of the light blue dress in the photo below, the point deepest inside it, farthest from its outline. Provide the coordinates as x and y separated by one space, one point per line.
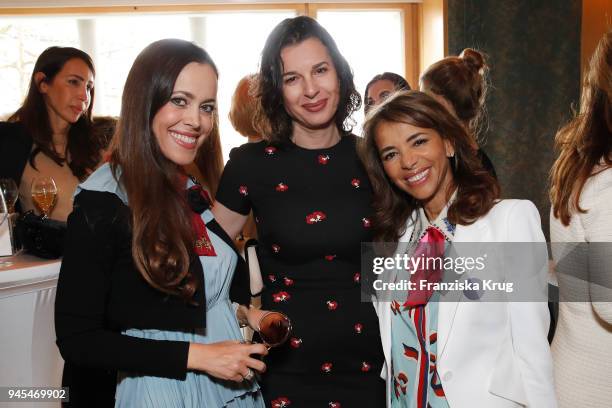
198 389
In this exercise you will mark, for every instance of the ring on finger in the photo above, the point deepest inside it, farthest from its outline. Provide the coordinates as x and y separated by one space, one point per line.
249 376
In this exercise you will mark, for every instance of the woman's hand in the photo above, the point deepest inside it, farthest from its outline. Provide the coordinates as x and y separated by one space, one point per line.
227 360
250 316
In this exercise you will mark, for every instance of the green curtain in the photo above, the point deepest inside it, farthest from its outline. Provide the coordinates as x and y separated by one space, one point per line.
533 49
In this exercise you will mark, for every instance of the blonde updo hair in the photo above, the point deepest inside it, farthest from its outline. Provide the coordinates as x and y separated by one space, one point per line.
244 106
463 81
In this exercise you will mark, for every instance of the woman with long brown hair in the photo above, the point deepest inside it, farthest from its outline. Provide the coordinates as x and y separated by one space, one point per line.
50 134
143 292
581 213
430 192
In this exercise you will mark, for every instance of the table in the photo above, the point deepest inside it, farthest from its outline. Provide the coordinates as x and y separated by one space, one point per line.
28 354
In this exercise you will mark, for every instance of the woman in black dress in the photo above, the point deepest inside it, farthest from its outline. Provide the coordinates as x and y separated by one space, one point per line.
311 201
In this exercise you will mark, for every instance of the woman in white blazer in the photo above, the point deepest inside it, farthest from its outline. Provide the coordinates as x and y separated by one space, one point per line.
429 186
581 218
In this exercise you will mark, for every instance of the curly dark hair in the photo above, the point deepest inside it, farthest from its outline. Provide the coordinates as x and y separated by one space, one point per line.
293 31
477 190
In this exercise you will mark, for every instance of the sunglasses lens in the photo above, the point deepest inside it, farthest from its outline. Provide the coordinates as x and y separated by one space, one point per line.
274 329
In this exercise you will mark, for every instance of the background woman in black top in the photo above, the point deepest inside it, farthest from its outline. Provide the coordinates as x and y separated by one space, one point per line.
311 200
50 134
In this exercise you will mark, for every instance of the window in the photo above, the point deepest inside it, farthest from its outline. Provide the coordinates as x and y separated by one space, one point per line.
371 41
374 42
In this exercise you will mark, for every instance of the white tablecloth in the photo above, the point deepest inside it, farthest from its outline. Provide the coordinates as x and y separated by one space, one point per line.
28 354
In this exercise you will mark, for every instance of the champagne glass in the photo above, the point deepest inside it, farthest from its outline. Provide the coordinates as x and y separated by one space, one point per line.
4 217
8 187
44 194
274 328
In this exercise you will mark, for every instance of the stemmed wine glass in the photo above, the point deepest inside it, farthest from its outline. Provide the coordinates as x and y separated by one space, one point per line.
4 217
44 194
274 328
8 187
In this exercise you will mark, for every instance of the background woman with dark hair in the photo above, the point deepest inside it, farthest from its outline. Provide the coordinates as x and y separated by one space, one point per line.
50 135
460 85
381 86
430 190
310 197
581 197
145 279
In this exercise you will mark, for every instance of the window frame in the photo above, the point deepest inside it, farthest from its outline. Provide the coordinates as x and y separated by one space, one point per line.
411 14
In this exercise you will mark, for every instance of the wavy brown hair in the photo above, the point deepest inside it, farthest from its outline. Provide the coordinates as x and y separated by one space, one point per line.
83 149
244 107
162 234
209 159
477 190
463 81
587 139
292 31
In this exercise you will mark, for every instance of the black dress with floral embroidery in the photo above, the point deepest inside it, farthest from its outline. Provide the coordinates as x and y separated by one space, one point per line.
311 208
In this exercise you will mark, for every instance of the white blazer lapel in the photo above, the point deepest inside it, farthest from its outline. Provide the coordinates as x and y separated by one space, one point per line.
449 308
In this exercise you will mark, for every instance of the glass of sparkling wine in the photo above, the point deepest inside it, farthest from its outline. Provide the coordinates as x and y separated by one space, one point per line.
10 192
44 194
4 217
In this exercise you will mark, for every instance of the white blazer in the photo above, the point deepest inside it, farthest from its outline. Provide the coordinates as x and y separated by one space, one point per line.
490 354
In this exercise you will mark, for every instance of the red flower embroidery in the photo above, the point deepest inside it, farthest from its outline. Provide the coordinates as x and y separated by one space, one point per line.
288 281
315 217
356 182
272 278
275 248
243 190
365 222
270 150
295 342
335 404
281 296
326 367
282 187
281 402
332 304
330 257
365 366
358 328
357 277
323 159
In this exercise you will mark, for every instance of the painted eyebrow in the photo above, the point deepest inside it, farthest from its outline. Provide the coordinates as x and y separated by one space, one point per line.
80 78
320 64
409 139
191 96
